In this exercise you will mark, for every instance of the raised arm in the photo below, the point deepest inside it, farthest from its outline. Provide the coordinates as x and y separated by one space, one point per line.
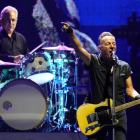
84 55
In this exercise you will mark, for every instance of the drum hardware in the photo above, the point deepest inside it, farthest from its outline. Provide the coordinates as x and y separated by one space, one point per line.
70 116
60 60
31 59
76 80
48 121
61 64
32 67
60 67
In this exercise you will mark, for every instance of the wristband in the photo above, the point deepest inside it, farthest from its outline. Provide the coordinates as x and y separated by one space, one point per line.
137 97
69 30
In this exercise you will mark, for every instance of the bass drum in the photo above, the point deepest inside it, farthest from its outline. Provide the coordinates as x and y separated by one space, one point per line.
23 104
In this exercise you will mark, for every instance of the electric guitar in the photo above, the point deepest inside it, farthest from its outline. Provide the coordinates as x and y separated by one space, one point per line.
93 117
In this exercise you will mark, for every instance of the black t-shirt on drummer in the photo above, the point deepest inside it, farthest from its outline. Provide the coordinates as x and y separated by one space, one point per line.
10 48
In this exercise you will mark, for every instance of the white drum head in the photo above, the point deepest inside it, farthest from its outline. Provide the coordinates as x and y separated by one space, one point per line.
41 78
23 104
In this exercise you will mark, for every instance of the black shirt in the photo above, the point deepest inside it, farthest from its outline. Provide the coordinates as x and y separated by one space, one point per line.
102 83
16 47
9 48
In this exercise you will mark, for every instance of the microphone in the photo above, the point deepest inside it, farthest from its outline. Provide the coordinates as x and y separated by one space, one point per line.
113 55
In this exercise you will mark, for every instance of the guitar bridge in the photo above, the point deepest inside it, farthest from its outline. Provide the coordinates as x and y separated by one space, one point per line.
92 117
92 127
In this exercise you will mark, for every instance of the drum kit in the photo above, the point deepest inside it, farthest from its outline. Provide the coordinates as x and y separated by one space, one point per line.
27 101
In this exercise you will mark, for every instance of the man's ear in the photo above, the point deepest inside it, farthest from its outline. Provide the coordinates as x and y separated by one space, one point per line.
0 20
99 48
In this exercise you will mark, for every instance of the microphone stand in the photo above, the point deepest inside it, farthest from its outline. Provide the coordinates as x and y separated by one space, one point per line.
76 80
75 85
113 109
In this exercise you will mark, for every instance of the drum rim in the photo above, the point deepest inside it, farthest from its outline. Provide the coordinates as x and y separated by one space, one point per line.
24 80
44 95
42 54
39 72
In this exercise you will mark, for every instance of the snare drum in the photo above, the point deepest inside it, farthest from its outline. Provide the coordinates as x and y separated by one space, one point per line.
23 104
37 67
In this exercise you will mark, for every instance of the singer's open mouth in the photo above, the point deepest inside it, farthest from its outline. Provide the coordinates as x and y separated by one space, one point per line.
111 51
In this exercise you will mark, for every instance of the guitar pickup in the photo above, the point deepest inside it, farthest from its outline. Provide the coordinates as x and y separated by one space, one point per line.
92 118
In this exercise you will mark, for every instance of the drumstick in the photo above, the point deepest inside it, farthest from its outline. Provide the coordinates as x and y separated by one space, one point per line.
37 47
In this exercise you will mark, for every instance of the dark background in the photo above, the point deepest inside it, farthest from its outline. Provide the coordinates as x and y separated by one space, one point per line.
120 17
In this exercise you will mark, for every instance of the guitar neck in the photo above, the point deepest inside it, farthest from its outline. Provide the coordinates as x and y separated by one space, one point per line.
127 105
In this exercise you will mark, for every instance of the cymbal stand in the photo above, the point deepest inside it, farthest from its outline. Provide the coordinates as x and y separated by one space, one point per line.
20 70
60 84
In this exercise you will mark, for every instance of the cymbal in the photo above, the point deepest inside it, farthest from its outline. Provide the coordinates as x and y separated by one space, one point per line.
60 47
61 60
2 63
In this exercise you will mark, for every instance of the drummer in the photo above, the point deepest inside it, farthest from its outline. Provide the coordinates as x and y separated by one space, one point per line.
13 45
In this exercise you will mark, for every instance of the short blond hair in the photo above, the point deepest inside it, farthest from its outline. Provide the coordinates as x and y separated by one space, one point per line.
8 9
